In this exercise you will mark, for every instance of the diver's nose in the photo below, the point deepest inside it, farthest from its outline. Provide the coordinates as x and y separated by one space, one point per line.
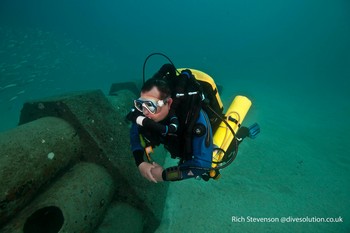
145 111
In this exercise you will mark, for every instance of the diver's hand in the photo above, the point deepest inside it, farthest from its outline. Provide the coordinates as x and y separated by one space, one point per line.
133 115
145 170
157 172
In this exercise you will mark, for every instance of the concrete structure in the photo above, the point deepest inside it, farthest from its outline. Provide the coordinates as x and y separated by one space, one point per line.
75 202
31 156
98 122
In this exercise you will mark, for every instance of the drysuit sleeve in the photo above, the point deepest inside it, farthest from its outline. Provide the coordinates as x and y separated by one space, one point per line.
202 144
202 154
136 146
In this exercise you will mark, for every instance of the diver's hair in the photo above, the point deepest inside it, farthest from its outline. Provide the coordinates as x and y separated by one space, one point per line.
161 84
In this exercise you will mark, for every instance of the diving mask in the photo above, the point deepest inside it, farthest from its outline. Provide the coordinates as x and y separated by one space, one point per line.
150 105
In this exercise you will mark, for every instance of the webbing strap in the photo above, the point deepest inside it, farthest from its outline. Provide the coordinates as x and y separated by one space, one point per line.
234 121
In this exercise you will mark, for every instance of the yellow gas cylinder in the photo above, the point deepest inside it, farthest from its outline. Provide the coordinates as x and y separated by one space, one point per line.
223 136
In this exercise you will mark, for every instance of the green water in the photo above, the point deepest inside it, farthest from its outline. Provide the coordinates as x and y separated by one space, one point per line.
291 58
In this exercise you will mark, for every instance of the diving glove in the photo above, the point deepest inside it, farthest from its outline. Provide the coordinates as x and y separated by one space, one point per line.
133 115
254 130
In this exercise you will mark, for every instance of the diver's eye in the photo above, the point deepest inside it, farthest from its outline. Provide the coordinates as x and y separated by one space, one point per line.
149 104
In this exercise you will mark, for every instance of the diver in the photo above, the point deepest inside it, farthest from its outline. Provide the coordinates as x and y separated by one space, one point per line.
155 120
181 110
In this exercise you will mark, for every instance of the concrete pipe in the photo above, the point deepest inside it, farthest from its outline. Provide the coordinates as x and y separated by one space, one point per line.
30 156
75 203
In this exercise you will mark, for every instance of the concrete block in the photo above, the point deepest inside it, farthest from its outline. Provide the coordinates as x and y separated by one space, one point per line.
74 203
101 125
31 155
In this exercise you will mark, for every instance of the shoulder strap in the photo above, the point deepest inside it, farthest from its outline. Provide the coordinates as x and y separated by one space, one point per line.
187 105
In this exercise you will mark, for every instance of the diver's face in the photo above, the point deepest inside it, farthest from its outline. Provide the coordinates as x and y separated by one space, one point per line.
162 112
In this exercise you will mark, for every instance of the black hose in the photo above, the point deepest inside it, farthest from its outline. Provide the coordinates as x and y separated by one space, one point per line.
151 55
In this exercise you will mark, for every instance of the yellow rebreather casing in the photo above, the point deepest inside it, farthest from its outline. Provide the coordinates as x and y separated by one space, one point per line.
223 136
201 76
